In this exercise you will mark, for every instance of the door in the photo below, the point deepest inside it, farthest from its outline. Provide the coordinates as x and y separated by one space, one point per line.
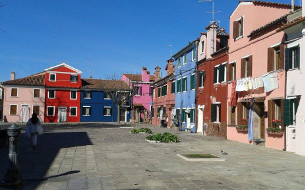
25 113
122 114
258 121
200 119
62 114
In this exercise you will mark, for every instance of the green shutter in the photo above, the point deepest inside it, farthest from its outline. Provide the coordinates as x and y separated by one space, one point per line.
184 58
288 111
215 74
183 85
173 87
165 87
179 62
183 115
221 73
200 79
192 82
194 54
179 85
297 54
213 112
192 115
287 59
159 92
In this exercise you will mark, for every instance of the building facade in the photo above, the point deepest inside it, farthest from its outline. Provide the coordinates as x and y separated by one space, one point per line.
164 96
185 85
142 94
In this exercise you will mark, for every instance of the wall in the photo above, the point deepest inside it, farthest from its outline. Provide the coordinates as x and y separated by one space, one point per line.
25 97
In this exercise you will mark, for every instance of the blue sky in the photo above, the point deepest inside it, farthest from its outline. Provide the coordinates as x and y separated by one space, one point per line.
100 37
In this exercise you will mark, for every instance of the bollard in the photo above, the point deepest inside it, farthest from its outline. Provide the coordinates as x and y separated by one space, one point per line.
13 177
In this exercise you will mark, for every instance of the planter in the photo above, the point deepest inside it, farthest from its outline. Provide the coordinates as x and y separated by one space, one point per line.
277 133
242 128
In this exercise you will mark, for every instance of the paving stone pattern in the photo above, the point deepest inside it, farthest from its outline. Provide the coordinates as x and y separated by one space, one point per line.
105 156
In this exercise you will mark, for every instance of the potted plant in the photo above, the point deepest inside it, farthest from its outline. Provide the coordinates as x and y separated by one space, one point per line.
276 128
243 126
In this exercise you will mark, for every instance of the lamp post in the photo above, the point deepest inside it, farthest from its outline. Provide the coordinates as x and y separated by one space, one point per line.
12 177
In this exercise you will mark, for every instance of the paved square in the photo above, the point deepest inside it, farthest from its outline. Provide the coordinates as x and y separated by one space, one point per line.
105 156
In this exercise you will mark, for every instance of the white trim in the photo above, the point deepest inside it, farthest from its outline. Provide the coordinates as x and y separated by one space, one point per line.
193 57
34 92
50 77
11 92
49 94
33 109
232 62
247 56
71 95
242 17
53 110
184 59
70 111
110 110
16 109
275 45
63 65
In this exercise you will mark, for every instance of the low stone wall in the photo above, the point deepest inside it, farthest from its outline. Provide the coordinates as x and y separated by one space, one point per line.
216 129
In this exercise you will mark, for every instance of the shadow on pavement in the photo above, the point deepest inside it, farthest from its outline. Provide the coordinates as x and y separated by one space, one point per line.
34 165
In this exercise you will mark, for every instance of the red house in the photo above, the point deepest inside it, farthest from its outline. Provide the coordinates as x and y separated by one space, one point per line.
212 89
62 101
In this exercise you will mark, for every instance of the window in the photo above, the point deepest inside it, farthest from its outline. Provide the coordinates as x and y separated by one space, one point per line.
290 110
86 110
275 111
173 87
192 81
184 59
232 114
14 92
73 111
231 70
73 95
201 79
87 95
219 73
50 111
202 46
13 109
36 109
73 78
138 90
107 111
243 112
159 91
164 90
276 58
51 94
238 28
184 84
107 96
223 42
179 63
292 58
179 85
193 54
152 111
246 67
36 93
215 113
52 77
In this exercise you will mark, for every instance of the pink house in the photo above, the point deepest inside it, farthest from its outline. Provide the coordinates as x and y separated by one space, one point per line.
142 94
22 97
257 55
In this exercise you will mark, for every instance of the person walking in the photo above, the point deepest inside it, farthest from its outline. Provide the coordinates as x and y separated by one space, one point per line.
34 129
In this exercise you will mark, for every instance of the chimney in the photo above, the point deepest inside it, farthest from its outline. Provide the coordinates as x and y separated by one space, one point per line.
292 6
12 75
170 67
157 73
211 39
90 77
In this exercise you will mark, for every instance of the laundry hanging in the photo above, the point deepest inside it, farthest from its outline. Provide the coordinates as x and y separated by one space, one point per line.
250 123
270 81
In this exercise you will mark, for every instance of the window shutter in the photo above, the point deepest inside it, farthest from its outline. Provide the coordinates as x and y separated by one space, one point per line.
241 26
288 117
192 82
215 74
165 89
240 112
221 73
235 29
140 90
270 59
270 112
282 56
213 112
185 84
173 87
298 58
229 71
159 92
287 59
233 110
282 112
200 79
250 66
192 115
243 68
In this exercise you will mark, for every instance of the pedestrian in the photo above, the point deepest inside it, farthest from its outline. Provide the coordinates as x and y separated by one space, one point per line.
34 129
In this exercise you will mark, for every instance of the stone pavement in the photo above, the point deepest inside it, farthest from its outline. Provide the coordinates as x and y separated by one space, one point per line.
105 156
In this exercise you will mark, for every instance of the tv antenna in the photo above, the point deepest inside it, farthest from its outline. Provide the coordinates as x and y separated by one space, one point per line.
213 9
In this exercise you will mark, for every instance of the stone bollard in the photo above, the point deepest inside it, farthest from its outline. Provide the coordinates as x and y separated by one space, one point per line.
13 177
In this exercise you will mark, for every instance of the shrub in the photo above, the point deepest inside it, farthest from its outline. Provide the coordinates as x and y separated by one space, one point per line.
165 137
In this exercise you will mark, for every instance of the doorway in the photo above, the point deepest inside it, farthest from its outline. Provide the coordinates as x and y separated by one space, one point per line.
200 119
258 121
62 114
123 114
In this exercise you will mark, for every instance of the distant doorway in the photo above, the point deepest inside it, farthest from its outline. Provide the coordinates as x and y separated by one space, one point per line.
200 119
62 114
123 114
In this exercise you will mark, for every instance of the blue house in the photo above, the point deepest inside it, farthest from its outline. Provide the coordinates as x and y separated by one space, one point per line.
185 73
97 103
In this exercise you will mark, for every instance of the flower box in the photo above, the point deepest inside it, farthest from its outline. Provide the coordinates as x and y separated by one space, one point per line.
275 131
242 128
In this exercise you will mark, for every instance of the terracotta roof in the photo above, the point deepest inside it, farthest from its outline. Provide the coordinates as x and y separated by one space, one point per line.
268 25
33 80
135 77
293 22
104 84
138 105
270 3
